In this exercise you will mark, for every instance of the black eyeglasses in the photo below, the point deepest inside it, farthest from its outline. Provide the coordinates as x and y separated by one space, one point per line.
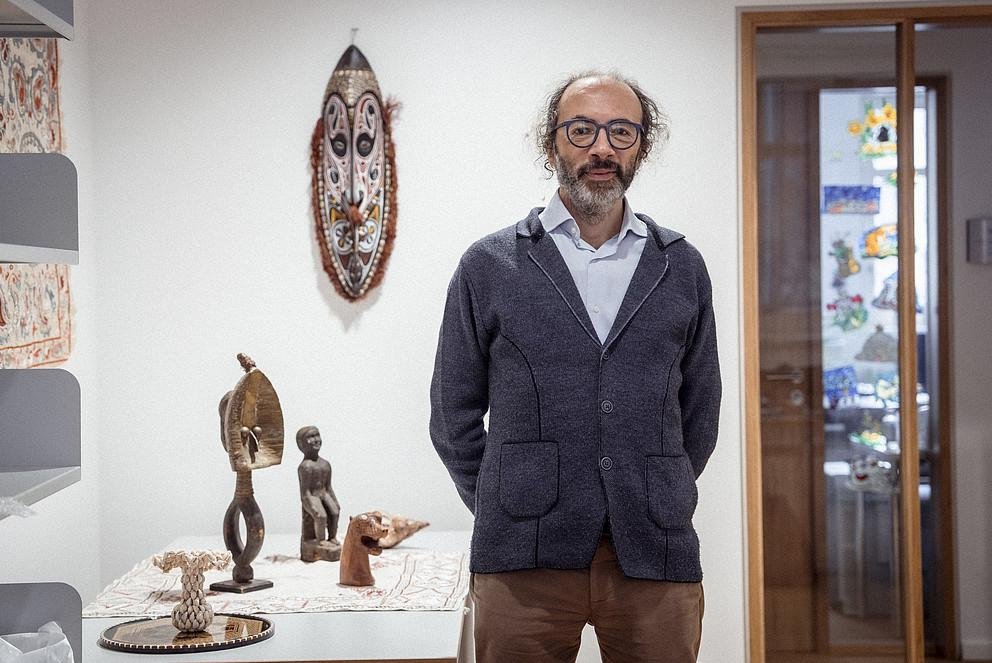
621 134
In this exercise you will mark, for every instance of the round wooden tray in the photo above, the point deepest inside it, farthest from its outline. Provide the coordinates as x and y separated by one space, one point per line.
159 636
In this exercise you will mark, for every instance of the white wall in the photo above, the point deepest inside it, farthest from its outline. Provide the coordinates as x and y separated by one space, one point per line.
60 543
202 122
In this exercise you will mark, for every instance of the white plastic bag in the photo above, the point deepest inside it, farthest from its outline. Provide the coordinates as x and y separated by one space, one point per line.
48 645
11 507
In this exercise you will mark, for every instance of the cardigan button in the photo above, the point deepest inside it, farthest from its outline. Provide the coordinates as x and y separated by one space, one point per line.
606 463
607 406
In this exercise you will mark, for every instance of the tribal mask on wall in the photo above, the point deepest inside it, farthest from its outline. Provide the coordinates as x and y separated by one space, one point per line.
354 178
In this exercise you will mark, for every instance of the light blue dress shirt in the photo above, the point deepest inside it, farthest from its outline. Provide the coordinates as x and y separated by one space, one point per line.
601 275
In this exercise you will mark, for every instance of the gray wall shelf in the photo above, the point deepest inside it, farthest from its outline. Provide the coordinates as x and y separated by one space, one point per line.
36 18
40 408
26 606
38 209
40 433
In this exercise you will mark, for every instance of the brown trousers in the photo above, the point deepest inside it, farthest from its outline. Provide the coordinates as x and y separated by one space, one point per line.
537 615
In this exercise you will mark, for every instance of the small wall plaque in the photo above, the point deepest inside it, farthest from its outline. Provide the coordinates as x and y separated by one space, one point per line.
980 240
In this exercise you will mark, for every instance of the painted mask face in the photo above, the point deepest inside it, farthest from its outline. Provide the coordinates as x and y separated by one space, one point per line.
354 178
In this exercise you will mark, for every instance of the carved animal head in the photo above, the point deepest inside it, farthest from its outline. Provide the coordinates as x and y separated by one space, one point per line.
369 529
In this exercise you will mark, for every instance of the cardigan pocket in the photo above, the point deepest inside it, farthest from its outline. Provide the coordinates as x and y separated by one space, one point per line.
528 478
671 491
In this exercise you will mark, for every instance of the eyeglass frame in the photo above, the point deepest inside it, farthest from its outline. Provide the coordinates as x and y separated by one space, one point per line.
595 137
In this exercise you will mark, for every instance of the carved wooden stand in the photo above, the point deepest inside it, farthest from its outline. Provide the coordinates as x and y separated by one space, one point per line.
243 553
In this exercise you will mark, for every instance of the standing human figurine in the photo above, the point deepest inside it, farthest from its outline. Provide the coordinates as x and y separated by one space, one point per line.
318 539
586 331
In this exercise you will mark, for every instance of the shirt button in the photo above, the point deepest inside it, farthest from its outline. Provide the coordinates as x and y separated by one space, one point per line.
606 463
607 406
595 309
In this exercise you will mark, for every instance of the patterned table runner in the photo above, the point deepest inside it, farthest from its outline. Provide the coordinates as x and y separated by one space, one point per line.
404 580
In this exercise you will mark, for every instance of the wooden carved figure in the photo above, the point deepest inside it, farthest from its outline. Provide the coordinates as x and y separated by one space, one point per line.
321 510
192 614
362 540
252 433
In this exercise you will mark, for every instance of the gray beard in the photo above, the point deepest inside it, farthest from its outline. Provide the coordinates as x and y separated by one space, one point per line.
591 202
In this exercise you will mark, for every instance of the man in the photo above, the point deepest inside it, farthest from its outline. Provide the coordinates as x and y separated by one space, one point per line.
586 331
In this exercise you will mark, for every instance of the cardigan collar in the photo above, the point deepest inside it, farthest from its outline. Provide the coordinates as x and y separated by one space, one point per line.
650 270
530 226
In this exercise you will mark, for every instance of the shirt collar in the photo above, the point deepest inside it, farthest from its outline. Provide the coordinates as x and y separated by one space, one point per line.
555 214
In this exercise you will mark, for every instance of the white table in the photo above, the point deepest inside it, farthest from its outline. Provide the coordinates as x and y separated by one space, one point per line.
332 637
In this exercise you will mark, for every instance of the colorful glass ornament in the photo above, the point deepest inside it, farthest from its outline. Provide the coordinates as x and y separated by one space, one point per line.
887 297
876 131
880 242
839 383
843 253
887 389
354 178
849 313
870 435
871 474
851 199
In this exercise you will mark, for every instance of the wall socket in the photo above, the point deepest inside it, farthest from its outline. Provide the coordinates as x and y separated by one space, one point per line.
980 240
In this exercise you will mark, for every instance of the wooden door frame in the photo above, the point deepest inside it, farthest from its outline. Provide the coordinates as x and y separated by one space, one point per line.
904 19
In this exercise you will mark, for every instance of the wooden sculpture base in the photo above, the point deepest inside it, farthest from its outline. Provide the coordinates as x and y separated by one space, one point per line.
243 552
235 587
313 551
159 636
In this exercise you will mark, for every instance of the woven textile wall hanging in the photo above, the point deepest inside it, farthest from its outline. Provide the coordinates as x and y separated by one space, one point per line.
354 178
35 307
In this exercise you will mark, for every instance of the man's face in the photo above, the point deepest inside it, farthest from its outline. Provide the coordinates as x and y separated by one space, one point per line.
594 178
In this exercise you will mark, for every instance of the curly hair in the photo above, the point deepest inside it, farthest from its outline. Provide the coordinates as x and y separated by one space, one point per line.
657 125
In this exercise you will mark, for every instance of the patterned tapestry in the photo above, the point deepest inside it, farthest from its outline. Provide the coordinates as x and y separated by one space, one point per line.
35 307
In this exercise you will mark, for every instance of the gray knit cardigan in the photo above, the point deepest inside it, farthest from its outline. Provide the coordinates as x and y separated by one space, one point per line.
581 433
